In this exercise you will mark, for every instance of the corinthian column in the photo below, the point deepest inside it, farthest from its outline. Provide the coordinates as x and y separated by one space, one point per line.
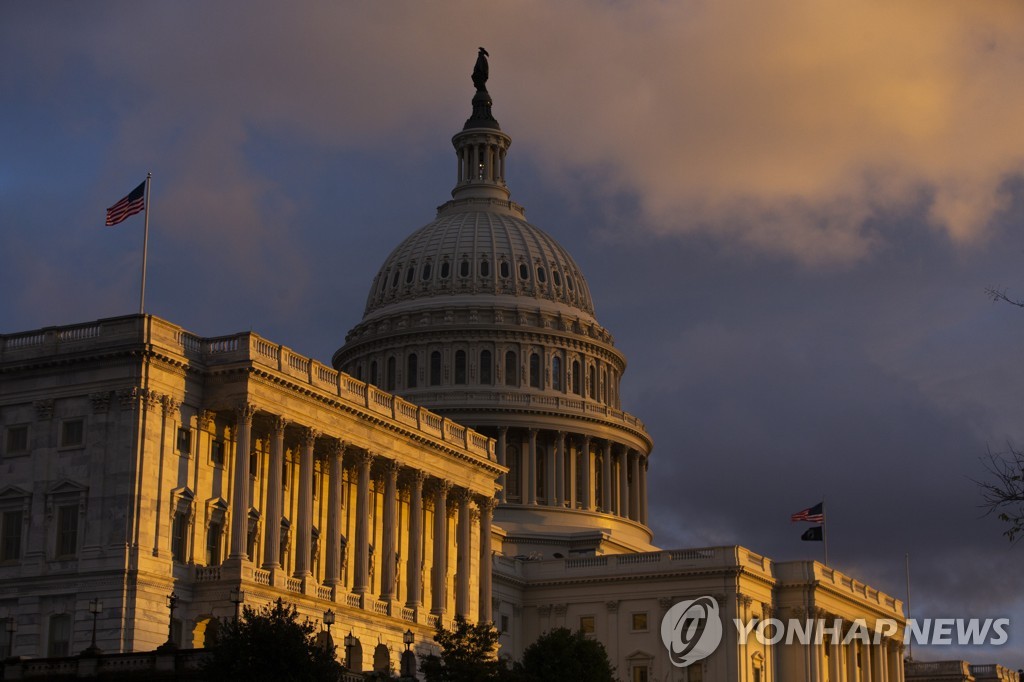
634 488
486 505
304 537
439 593
240 494
272 539
414 570
332 572
389 531
465 534
361 570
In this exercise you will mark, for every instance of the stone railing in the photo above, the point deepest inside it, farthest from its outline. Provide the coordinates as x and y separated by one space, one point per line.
632 564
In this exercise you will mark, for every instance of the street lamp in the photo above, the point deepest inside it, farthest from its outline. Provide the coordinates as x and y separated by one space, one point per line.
237 598
408 658
95 608
350 643
328 620
172 602
408 638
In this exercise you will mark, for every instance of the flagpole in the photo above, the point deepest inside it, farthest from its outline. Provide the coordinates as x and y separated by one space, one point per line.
910 640
145 246
824 528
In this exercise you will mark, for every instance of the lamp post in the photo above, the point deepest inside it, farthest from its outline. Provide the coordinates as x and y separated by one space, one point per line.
12 627
350 643
95 608
408 658
328 620
169 645
237 598
325 637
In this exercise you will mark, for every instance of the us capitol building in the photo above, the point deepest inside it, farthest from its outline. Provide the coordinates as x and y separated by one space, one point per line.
465 453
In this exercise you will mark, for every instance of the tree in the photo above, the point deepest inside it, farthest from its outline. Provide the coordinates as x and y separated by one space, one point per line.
467 654
1004 496
270 644
564 655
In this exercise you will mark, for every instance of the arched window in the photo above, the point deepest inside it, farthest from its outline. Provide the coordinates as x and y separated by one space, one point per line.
534 370
394 279
409 274
411 368
541 275
464 268
592 376
460 366
425 275
435 368
524 271
576 377
373 373
390 378
557 277
446 269
485 368
485 268
556 373
504 269
511 369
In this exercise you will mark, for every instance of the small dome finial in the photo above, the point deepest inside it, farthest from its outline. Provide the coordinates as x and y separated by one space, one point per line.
481 70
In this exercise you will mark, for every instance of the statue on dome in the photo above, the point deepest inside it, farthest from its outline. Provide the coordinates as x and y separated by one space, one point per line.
481 70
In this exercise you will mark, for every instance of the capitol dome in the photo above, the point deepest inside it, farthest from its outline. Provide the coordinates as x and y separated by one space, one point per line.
485 319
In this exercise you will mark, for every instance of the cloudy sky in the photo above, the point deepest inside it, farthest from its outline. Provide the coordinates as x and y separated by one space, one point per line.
788 213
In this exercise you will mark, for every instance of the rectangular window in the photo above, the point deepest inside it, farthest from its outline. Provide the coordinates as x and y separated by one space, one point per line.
179 537
217 452
695 673
640 673
67 530
72 433
10 536
185 440
59 643
5 637
213 540
17 440
587 625
254 464
504 624
639 622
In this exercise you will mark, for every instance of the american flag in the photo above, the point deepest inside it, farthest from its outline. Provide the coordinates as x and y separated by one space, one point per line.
815 514
134 202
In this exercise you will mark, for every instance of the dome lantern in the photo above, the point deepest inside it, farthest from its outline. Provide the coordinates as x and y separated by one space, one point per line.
480 146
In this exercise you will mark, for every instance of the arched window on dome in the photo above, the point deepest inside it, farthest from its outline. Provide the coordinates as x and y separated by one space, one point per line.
504 269
485 268
394 278
411 368
486 365
446 269
592 382
425 275
569 282
524 272
460 367
511 369
556 373
556 276
373 373
534 370
409 272
464 268
542 276
435 368
576 377
389 378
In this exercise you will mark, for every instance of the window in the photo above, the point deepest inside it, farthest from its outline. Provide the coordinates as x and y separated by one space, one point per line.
568 281
389 380
542 276
411 368
485 368
72 433
640 673
425 275
5 651
587 625
10 535
504 270
67 530
446 269
285 536
592 376
460 366
695 673
504 624
485 268
534 370
254 464
184 440
556 373
394 280
214 537
557 277
511 369
576 377
524 272
639 622
252 532
435 368
217 452
512 479
17 439
179 537
464 268
59 643
373 373
409 274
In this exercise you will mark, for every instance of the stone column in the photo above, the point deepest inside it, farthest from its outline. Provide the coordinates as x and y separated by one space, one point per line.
304 535
240 493
531 469
573 488
272 538
878 662
587 494
560 470
486 506
550 475
851 661
439 593
835 658
502 440
634 487
643 490
361 569
606 478
389 531
332 571
624 482
465 549
414 569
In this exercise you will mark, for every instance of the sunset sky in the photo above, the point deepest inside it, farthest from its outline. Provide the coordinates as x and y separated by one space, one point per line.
788 213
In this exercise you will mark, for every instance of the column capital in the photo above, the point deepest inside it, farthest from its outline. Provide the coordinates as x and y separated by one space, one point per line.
486 504
362 458
206 418
309 436
463 496
169 404
417 476
277 424
389 467
336 447
245 412
441 485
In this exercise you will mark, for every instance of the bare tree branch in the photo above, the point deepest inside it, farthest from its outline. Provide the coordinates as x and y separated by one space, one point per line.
1003 493
1000 295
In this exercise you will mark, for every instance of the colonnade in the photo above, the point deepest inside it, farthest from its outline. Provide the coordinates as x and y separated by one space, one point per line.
394 478
575 471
